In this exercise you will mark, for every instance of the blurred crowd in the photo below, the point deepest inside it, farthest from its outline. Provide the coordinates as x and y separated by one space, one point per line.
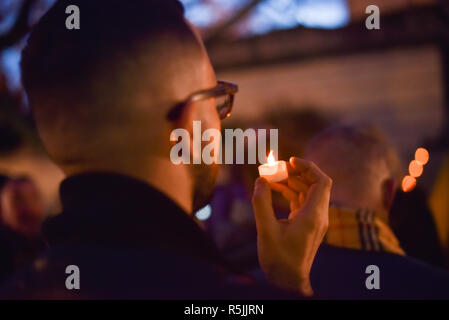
367 173
370 212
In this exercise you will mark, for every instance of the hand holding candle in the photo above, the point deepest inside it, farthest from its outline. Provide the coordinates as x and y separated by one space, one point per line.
287 248
273 171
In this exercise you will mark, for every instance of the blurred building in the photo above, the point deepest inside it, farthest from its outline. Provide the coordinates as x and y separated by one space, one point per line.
357 7
393 77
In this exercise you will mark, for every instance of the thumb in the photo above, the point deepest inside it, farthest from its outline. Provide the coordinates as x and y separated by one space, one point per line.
263 207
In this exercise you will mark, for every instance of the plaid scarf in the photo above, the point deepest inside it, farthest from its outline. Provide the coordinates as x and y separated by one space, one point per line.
360 229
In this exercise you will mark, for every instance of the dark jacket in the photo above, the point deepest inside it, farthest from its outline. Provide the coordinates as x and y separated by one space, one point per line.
340 273
16 250
128 241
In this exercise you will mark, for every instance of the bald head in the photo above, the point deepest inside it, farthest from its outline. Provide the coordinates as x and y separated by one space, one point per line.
102 91
362 164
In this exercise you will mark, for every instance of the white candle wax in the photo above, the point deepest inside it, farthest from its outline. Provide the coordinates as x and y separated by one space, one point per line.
273 171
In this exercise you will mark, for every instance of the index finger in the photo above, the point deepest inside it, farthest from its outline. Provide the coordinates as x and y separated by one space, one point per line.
319 192
310 171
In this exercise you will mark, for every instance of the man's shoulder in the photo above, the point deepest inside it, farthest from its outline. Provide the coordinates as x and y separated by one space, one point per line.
343 273
108 272
114 273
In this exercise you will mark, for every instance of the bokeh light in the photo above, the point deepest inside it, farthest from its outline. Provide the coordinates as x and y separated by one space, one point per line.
422 156
415 169
204 213
408 183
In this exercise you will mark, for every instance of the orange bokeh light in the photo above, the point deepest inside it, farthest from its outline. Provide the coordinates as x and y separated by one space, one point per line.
422 156
415 169
408 183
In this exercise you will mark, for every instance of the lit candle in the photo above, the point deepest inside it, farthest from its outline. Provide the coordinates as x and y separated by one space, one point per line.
273 171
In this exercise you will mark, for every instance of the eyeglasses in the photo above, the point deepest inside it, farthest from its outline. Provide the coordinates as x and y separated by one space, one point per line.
224 100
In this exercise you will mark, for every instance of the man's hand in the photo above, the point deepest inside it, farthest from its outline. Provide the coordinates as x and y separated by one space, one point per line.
287 248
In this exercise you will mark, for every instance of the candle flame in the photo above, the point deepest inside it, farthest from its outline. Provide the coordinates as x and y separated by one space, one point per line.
271 161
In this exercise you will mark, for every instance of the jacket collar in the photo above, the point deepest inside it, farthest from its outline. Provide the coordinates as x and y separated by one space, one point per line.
117 211
360 229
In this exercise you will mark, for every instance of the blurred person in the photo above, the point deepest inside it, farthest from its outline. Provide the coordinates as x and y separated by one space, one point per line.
13 128
439 204
365 171
297 125
21 214
232 223
6 265
412 222
22 207
103 99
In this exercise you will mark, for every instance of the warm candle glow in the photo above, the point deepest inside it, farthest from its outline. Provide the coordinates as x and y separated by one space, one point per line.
271 160
273 171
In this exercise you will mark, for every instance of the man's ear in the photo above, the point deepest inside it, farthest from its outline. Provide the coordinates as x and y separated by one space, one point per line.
388 193
185 123
185 119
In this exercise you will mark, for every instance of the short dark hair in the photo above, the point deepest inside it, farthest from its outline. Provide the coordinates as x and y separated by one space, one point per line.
57 59
356 142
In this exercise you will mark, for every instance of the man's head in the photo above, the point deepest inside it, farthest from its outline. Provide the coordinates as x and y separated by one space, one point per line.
100 94
362 164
